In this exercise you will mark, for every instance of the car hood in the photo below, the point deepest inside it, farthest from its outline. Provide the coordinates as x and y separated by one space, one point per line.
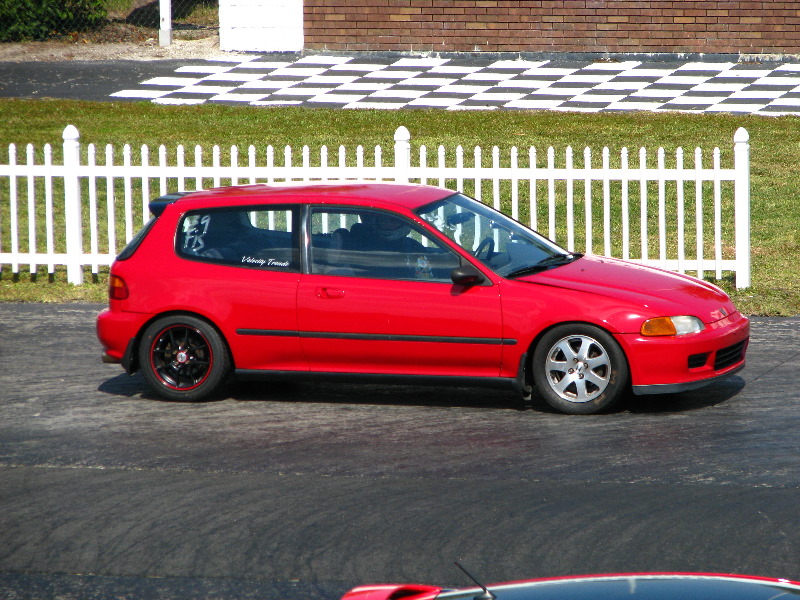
664 292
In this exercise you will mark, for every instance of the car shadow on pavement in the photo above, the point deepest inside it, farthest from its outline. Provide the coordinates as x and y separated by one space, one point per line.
133 386
372 394
407 395
248 390
705 397
124 385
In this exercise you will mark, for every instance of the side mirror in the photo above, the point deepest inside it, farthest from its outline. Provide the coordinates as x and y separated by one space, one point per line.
467 275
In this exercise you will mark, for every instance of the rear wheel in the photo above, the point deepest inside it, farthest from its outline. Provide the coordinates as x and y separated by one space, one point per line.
183 358
579 369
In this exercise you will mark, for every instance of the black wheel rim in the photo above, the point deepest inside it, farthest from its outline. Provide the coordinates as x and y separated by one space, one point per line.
181 357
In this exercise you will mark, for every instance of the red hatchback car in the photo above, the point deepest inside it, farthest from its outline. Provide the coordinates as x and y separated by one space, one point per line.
401 283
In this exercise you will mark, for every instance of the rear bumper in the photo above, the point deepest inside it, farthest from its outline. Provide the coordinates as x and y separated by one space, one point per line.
671 364
117 332
110 359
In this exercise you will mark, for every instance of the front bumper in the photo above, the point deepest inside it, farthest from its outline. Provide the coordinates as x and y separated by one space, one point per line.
676 388
671 364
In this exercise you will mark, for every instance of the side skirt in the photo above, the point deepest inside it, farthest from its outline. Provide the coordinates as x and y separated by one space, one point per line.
451 381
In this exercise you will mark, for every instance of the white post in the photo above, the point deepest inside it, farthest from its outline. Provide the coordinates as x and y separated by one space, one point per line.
165 28
72 205
402 154
741 165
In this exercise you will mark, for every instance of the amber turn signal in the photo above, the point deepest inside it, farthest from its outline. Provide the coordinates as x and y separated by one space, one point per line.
659 326
672 326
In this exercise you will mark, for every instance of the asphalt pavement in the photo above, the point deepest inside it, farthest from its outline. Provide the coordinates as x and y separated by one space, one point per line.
454 82
81 80
299 491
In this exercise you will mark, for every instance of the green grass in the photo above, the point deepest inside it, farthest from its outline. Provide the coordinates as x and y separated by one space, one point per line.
197 12
775 153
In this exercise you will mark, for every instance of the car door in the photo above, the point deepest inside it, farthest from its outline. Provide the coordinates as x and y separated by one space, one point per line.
374 303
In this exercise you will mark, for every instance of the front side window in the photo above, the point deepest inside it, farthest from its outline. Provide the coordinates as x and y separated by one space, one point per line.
242 236
374 244
499 242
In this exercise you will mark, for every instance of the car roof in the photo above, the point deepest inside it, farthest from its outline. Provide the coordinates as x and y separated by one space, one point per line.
377 195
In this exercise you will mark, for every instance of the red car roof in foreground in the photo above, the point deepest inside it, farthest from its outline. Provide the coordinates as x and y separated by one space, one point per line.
386 195
679 586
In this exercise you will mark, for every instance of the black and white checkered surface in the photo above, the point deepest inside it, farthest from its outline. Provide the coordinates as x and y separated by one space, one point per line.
470 83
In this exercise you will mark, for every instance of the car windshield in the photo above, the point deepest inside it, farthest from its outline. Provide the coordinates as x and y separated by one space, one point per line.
507 247
642 587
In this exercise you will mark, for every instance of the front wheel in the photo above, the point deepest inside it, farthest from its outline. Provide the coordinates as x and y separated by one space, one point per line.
579 369
183 358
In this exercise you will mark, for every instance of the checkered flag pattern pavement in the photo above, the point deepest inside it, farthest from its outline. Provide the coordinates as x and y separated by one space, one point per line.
481 84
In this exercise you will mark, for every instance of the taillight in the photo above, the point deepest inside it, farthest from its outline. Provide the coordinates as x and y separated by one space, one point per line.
117 290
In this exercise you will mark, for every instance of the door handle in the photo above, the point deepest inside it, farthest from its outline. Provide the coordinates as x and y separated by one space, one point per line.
327 293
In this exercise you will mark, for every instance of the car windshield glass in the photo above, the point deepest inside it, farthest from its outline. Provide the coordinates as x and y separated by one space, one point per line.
635 588
507 247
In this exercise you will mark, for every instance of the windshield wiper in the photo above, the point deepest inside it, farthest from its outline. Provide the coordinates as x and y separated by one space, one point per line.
556 260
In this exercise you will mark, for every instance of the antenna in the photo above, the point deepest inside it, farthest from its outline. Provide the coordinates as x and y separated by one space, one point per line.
486 595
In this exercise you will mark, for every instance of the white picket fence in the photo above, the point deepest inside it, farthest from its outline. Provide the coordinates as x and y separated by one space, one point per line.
685 218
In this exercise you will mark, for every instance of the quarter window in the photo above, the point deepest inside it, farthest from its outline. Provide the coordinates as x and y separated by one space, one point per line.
244 237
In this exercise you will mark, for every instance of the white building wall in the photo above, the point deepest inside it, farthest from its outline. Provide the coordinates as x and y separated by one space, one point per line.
261 25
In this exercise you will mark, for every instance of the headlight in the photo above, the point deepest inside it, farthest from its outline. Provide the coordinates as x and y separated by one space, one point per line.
672 326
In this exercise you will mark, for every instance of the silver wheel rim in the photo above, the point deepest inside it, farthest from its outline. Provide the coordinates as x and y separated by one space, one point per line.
578 368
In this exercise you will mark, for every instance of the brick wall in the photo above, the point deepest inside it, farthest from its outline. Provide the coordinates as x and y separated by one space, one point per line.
602 26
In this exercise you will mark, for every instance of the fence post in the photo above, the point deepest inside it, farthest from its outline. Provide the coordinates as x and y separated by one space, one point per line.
72 205
402 154
165 20
741 193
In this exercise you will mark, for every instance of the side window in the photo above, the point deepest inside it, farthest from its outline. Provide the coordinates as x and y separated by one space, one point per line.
242 236
366 243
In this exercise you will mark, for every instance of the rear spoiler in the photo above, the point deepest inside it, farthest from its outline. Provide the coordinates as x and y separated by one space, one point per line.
158 205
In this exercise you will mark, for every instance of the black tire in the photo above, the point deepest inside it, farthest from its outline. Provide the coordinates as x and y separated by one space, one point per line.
183 358
579 369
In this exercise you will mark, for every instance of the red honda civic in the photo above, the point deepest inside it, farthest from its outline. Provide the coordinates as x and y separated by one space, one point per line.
400 283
